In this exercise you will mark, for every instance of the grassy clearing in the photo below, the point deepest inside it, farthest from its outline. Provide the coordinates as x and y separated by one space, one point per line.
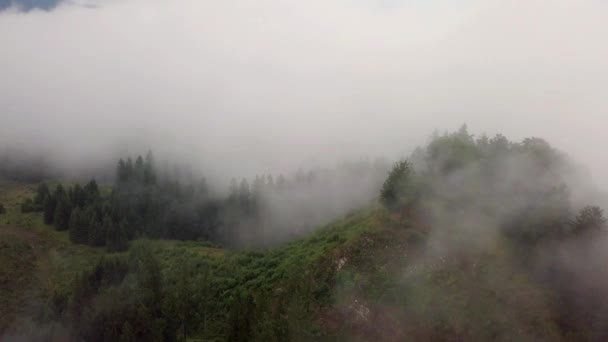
17 264
36 261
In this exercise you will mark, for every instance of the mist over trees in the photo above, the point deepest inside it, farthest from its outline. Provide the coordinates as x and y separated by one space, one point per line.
461 193
146 201
473 193
517 188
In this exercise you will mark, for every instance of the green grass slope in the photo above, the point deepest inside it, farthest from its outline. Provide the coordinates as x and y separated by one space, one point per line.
367 277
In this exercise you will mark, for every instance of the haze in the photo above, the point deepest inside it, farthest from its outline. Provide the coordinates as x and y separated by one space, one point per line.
270 86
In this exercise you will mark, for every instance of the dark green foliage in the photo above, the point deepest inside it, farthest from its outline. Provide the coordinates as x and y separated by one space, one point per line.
590 218
520 185
63 210
58 209
244 195
451 152
138 170
116 235
546 217
97 232
398 189
79 225
121 172
129 171
149 170
2 209
28 206
42 193
241 315
49 207
36 204
120 300
127 334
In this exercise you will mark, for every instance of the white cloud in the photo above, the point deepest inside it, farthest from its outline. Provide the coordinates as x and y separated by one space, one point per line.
276 83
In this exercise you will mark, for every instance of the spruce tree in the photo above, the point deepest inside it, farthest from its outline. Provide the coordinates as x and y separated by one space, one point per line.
129 169
395 188
97 234
139 170
91 192
244 195
62 213
149 169
49 207
41 194
121 172
79 222
116 240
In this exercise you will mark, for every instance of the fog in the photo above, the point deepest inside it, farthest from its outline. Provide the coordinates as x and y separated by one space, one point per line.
245 87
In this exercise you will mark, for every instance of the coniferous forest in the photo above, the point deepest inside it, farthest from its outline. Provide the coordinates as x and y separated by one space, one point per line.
275 171
165 259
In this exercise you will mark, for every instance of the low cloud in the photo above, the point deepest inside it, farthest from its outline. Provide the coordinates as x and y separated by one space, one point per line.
270 86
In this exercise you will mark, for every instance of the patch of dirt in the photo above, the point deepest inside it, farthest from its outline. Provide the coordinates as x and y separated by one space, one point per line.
24 269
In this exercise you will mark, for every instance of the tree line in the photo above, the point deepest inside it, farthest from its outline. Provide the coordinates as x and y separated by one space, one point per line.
520 184
145 202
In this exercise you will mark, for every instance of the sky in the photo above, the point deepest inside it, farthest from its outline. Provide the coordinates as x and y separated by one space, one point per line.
252 86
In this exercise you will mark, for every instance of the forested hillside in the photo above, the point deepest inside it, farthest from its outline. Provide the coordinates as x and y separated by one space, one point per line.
468 239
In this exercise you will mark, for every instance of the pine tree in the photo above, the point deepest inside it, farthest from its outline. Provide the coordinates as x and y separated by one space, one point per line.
77 196
129 169
121 172
244 193
139 170
41 194
97 234
79 226
149 169
233 192
91 191
62 213
116 240
245 198
395 187
49 207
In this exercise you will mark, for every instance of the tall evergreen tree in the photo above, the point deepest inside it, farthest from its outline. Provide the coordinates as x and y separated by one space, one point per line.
139 170
129 169
121 172
77 196
233 192
91 191
79 226
97 233
116 240
62 213
244 196
149 169
397 187
41 194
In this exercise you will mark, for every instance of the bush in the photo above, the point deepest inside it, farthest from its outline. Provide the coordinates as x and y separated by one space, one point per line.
28 206
2 209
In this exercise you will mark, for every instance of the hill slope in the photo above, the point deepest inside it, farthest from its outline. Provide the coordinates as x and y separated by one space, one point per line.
369 276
